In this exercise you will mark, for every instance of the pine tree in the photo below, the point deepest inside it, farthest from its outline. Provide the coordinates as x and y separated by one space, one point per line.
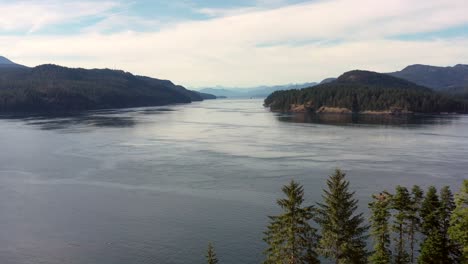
417 195
211 255
343 232
451 252
458 229
380 228
290 237
401 204
430 214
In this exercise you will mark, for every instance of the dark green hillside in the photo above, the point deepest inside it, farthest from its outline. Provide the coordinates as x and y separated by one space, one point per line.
438 78
364 91
51 88
458 92
207 96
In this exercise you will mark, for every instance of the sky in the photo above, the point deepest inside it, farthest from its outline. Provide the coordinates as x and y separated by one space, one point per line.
242 43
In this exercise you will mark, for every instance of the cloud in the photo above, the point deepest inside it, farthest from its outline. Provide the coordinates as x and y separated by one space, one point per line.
31 16
298 43
120 22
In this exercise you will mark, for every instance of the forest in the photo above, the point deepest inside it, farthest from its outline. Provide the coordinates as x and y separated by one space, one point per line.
52 88
361 91
408 225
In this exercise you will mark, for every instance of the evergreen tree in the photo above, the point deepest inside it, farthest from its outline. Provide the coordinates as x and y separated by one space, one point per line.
417 195
458 229
380 228
430 213
211 255
290 237
343 232
430 249
401 204
451 251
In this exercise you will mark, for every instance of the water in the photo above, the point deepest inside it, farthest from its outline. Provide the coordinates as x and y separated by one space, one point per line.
155 185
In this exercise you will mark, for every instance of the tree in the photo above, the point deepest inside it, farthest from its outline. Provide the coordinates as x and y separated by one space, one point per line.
417 195
343 232
451 250
290 237
430 213
458 230
401 204
380 228
211 255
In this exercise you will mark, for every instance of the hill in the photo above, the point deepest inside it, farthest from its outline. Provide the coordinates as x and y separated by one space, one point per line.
6 63
327 80
258 92
52 88
437 78
364 92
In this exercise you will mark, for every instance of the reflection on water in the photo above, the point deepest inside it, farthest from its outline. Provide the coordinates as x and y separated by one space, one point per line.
99 118
85 120
357 119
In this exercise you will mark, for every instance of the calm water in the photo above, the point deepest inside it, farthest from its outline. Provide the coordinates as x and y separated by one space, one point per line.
154 185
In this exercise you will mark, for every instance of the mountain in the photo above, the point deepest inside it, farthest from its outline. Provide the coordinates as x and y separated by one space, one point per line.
52 88
6 63
364 92
327 80
437 78
227 92
207 96
259 91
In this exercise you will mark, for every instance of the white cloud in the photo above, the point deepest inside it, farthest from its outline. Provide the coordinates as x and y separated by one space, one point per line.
298 43
31 16
120 22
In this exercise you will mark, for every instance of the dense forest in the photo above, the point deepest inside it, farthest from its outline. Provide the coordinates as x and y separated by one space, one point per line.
361 91
409 225
51 88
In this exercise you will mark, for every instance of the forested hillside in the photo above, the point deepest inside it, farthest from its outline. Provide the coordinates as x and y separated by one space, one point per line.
364 92
52 88
438 78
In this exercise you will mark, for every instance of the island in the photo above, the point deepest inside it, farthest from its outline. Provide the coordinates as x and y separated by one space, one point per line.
365 92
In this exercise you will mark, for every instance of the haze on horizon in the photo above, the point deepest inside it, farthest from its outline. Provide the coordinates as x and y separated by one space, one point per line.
236 43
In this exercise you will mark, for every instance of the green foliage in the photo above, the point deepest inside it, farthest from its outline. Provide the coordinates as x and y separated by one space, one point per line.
458 229
343 236
451 252
51 88
401 203
290 237
431 247
380 228
366 91
430 212
417 196
211 255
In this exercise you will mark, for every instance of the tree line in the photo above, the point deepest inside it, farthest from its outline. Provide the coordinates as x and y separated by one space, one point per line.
406 226
359 98
52 88
361 91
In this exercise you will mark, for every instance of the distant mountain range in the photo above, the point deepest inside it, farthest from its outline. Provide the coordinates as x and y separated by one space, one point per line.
52 88
256 92
365 92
